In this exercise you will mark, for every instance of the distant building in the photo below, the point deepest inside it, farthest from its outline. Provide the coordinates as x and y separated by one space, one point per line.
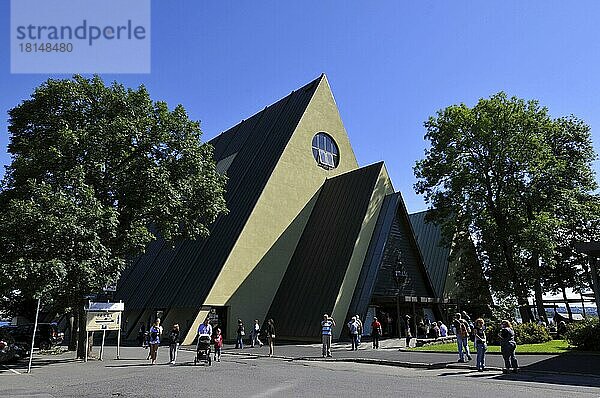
309 232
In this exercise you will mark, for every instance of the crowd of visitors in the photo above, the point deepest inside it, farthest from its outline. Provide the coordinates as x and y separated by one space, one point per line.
461 326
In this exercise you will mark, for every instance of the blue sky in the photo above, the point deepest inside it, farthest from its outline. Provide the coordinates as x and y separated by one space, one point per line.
391 64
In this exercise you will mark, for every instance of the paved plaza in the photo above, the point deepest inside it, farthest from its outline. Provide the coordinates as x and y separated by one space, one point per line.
251 373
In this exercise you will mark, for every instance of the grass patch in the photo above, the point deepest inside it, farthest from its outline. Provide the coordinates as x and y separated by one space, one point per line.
550 347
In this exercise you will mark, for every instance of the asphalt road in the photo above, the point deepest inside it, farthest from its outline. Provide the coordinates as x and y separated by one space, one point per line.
251 376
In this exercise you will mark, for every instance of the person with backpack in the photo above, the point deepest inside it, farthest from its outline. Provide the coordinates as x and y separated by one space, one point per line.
480 343
462 331
508 345
360 328
154 340
173 343
353 328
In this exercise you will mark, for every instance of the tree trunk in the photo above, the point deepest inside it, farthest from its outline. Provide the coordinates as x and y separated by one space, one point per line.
81 321
72 326
523 302
525 311
564 293
519 290
82 335
539 302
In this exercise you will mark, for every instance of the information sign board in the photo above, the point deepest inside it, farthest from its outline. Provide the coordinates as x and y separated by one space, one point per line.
103 320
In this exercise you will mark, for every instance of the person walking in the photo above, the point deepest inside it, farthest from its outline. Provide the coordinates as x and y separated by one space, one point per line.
508 346
353 327
360 329
270 329
421 330
239 342
255 333
205 328
407 332
462 337
218 344
434 331
480 343
173 343
376 332
327 325
443 329
154 340
390 324
141 336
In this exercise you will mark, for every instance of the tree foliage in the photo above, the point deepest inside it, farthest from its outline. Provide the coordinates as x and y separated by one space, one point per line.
513 178
97 173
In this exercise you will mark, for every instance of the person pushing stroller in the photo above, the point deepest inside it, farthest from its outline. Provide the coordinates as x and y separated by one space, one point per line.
203 346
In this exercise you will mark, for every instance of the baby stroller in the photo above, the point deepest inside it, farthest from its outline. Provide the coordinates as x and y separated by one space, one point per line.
203 349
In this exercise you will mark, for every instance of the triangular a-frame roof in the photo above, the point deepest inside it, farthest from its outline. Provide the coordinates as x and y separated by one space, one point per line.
181 277
393 240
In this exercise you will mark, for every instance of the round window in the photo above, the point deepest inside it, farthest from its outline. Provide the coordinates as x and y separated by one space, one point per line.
325 151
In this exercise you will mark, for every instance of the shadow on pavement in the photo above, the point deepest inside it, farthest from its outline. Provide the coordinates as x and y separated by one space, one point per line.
137 365
578 380
38 363
582 363
456 373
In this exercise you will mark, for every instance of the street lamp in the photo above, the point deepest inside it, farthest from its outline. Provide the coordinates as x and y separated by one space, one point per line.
400 277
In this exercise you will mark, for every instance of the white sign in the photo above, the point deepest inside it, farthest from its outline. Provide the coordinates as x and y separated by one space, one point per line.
106 307
103 320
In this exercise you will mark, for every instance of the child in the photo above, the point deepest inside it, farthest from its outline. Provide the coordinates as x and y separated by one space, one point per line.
218 342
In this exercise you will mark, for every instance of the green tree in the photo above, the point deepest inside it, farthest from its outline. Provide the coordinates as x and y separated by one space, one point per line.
470 288
511 176
97 173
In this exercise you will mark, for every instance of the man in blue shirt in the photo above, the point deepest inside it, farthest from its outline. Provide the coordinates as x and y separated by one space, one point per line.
327 325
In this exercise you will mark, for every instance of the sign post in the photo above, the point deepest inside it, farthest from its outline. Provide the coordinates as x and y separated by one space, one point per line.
103 317
37 312
119 337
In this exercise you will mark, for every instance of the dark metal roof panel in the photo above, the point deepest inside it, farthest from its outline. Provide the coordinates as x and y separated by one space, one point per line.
435 255
153 276
136 272
318 266
221 142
